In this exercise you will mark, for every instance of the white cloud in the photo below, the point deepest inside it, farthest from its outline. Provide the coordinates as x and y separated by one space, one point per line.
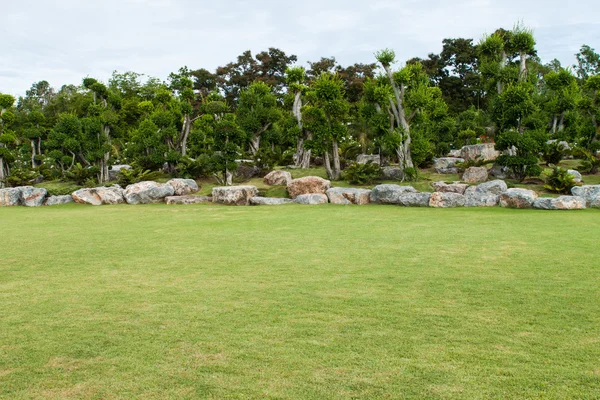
65 40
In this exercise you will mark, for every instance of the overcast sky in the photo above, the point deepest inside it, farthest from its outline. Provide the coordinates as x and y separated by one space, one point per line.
62 41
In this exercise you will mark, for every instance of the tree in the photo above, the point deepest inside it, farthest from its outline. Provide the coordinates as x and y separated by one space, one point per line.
182 85
326 117
257 111
7 137
588 62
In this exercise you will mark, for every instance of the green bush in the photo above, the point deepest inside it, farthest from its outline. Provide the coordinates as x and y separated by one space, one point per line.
82 175
411 174
525 147
135 175
20 177
589 162
554 152
361 174
560 181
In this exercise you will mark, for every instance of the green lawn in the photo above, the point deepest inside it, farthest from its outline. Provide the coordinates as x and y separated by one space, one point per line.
298 302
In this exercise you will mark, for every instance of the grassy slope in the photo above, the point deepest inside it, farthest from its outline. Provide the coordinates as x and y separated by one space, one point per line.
301 302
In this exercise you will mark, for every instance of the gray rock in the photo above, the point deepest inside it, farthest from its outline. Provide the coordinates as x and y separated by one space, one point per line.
188 199
99 196
500 172
277 178
449 187
564 145
588 192
365 158
308 185
10 197
234 195
492 187
311 199
147 192
389 193
477 199
447 165
446 200
269 201
560 203
475 175
113 172
484 152
576 175
183 187
392 173
339 195
409 199
518 198
455 153
594 203
58 200
246 171
33 197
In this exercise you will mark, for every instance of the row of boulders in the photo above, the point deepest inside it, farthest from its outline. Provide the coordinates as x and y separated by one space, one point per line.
137 193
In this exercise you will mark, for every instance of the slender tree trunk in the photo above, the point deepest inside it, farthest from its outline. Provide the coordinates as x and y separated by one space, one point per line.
503 59
302 156
185 133
328 165
228 177
561 124
2 176
554 123
523 67
336 160
39 146
32 153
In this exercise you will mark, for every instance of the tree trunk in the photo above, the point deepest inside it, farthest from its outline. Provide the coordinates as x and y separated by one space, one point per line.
503 60
336 161
523 67
302 156
32 153
328 165
228 177
561 124
254 144
554 123
39 146
185 133
1 172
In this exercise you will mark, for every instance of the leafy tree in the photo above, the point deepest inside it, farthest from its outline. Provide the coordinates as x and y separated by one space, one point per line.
327 117
257 112
521 153
7 136
588 62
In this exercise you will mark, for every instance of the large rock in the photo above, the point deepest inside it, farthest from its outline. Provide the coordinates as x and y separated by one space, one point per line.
492 187
187 199
10 197
234 195
99 196
269 201
475 175
449 187
483 152
307 185
339 195
33 197
518 198
58 200
500 172
560 203
477 199
576 175
446 200
447 165
588 192
147 192
392 173
389 193
409 199
454 153
247 172
277 178
311 199
113 172
365 158
183 187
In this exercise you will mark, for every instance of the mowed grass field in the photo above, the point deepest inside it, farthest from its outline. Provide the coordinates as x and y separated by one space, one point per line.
298 302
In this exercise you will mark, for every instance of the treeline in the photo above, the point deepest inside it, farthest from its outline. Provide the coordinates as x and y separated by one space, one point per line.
267 109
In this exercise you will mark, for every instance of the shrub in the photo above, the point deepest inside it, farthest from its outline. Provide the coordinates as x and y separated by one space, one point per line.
20 177
411 174
589 162
478 162
135 175
560 181
361 174
82 175
522 158
554 152
195 168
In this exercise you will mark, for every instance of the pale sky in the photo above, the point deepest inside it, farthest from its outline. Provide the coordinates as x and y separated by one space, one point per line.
63 41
